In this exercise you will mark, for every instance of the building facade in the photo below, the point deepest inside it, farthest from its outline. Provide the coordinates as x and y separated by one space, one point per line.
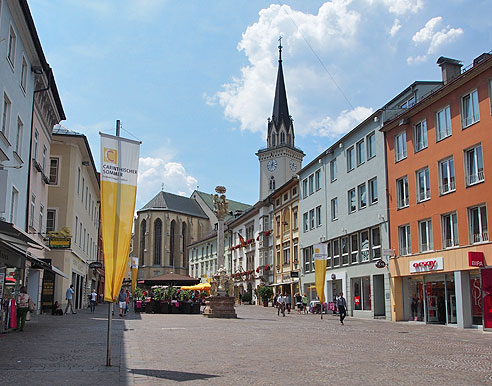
439 198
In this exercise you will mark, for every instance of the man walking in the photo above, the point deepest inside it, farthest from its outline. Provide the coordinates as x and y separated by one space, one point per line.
281 305
93 300
342 307
69 296
122 301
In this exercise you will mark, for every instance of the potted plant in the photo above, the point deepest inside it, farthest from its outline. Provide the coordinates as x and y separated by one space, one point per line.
246 298
265 294
184 304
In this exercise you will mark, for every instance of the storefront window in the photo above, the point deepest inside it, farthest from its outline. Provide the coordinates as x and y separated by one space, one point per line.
361 289
476 299
440 299
413 290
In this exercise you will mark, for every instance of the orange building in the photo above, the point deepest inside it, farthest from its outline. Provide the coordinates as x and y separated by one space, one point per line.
439 176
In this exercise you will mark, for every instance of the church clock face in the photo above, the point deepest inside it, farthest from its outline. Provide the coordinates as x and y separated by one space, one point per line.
272 165
293 165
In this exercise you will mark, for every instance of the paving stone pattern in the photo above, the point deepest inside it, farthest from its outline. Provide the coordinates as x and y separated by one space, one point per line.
258 348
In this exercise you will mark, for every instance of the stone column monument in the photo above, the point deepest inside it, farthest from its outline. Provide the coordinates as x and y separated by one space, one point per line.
220 304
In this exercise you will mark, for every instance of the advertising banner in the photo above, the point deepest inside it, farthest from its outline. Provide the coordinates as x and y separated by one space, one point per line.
119 165
320 255
486 274
134 261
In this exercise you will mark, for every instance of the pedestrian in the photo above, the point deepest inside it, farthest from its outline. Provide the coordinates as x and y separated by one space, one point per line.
342 307
298 302
127 301
122 301
22 308
305 303
281 305
288 302
93 300
69 296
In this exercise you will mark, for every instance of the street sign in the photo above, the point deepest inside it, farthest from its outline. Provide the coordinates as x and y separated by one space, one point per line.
388 252
59 242
380 264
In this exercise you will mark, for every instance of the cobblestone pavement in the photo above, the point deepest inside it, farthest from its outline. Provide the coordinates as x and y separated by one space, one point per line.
258 348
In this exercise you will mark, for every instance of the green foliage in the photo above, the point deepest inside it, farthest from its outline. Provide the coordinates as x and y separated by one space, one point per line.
185 295
138 294
170 293
265 292
246 298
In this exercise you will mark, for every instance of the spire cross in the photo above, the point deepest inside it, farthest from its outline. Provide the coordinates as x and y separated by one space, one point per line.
280 48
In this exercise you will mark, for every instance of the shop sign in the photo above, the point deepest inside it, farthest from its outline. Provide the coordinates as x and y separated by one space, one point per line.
380 264
95 264
357 300
294 274
476 293
486 274
60 242
475 259
435 264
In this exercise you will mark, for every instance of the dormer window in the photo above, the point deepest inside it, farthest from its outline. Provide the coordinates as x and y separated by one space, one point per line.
282 138
273 140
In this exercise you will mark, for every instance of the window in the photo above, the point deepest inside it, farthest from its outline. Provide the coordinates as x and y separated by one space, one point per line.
272 183
336 252
294 217
469 109
345 250
371 145
477 219
18 137
373 191
328 258
409 103
317 179
352 201
446 176
86 194
282 138
76 228
354 248
311 184
51 220
334 209
423 185
296 253
364 246
308 264
157 241
286 250
11 49
361 157
376 243
286 196
425 236
404 241
350 159
474 165
420 135
78 182
361 190
13 205
304 188
33 208
449 230
36 141
305 222
333 170
318 216
54 171
443 123
400 146
294 191
23 80
311 219
43 164
361 288
41 218
402 192
7 105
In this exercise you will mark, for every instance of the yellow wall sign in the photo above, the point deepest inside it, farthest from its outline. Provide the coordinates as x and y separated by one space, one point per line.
60 242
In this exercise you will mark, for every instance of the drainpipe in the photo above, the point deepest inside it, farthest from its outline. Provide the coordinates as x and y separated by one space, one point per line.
28 201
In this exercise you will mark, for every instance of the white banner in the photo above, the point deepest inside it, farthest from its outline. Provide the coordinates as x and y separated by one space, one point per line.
320 251
134 262
115 167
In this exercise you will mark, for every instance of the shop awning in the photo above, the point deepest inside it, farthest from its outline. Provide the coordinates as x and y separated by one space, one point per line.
40 263
19 235
171 279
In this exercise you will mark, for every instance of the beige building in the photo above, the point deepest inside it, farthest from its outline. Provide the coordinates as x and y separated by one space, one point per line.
287 267
163 230
73 202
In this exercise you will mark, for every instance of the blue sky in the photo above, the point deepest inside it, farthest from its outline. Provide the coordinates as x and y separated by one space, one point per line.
194 80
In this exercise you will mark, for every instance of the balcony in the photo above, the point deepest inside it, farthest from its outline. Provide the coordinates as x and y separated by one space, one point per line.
404 251
472 179
425 247
480 237
424 195
402 203
447 187
450 243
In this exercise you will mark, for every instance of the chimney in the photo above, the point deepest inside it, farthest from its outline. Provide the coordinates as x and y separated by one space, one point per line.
481 59
450 68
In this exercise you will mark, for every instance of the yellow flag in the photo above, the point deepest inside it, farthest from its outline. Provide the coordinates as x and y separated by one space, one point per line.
134 273
119 165
320 255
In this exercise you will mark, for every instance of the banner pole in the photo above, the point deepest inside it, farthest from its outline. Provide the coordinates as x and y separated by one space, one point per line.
110 319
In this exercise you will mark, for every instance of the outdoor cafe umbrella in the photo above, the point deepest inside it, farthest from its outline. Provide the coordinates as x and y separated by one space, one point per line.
198 287
171 279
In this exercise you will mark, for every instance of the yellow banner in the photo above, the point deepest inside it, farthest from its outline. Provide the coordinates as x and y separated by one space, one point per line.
320 254
134 273
119 159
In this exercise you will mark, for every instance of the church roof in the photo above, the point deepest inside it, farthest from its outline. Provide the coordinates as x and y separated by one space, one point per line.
280 108
234 206
174 203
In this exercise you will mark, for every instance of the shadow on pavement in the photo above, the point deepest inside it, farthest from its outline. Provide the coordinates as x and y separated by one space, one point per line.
179 376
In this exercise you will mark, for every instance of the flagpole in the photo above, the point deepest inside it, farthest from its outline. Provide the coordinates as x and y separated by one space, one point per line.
110 304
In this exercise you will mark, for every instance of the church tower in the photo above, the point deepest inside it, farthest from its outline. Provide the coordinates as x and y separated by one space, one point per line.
280 160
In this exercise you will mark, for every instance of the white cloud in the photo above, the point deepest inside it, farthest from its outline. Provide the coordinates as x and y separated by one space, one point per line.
395 27
153 172
400 7
346 121
435 36
248 98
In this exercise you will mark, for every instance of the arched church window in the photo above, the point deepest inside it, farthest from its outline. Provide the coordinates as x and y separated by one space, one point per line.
157 241
272 183
172 243
273 140
282 138
143 230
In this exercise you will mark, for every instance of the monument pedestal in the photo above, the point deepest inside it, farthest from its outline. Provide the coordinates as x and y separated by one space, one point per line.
217 306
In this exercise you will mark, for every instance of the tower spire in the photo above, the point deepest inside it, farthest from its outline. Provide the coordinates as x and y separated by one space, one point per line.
280 108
